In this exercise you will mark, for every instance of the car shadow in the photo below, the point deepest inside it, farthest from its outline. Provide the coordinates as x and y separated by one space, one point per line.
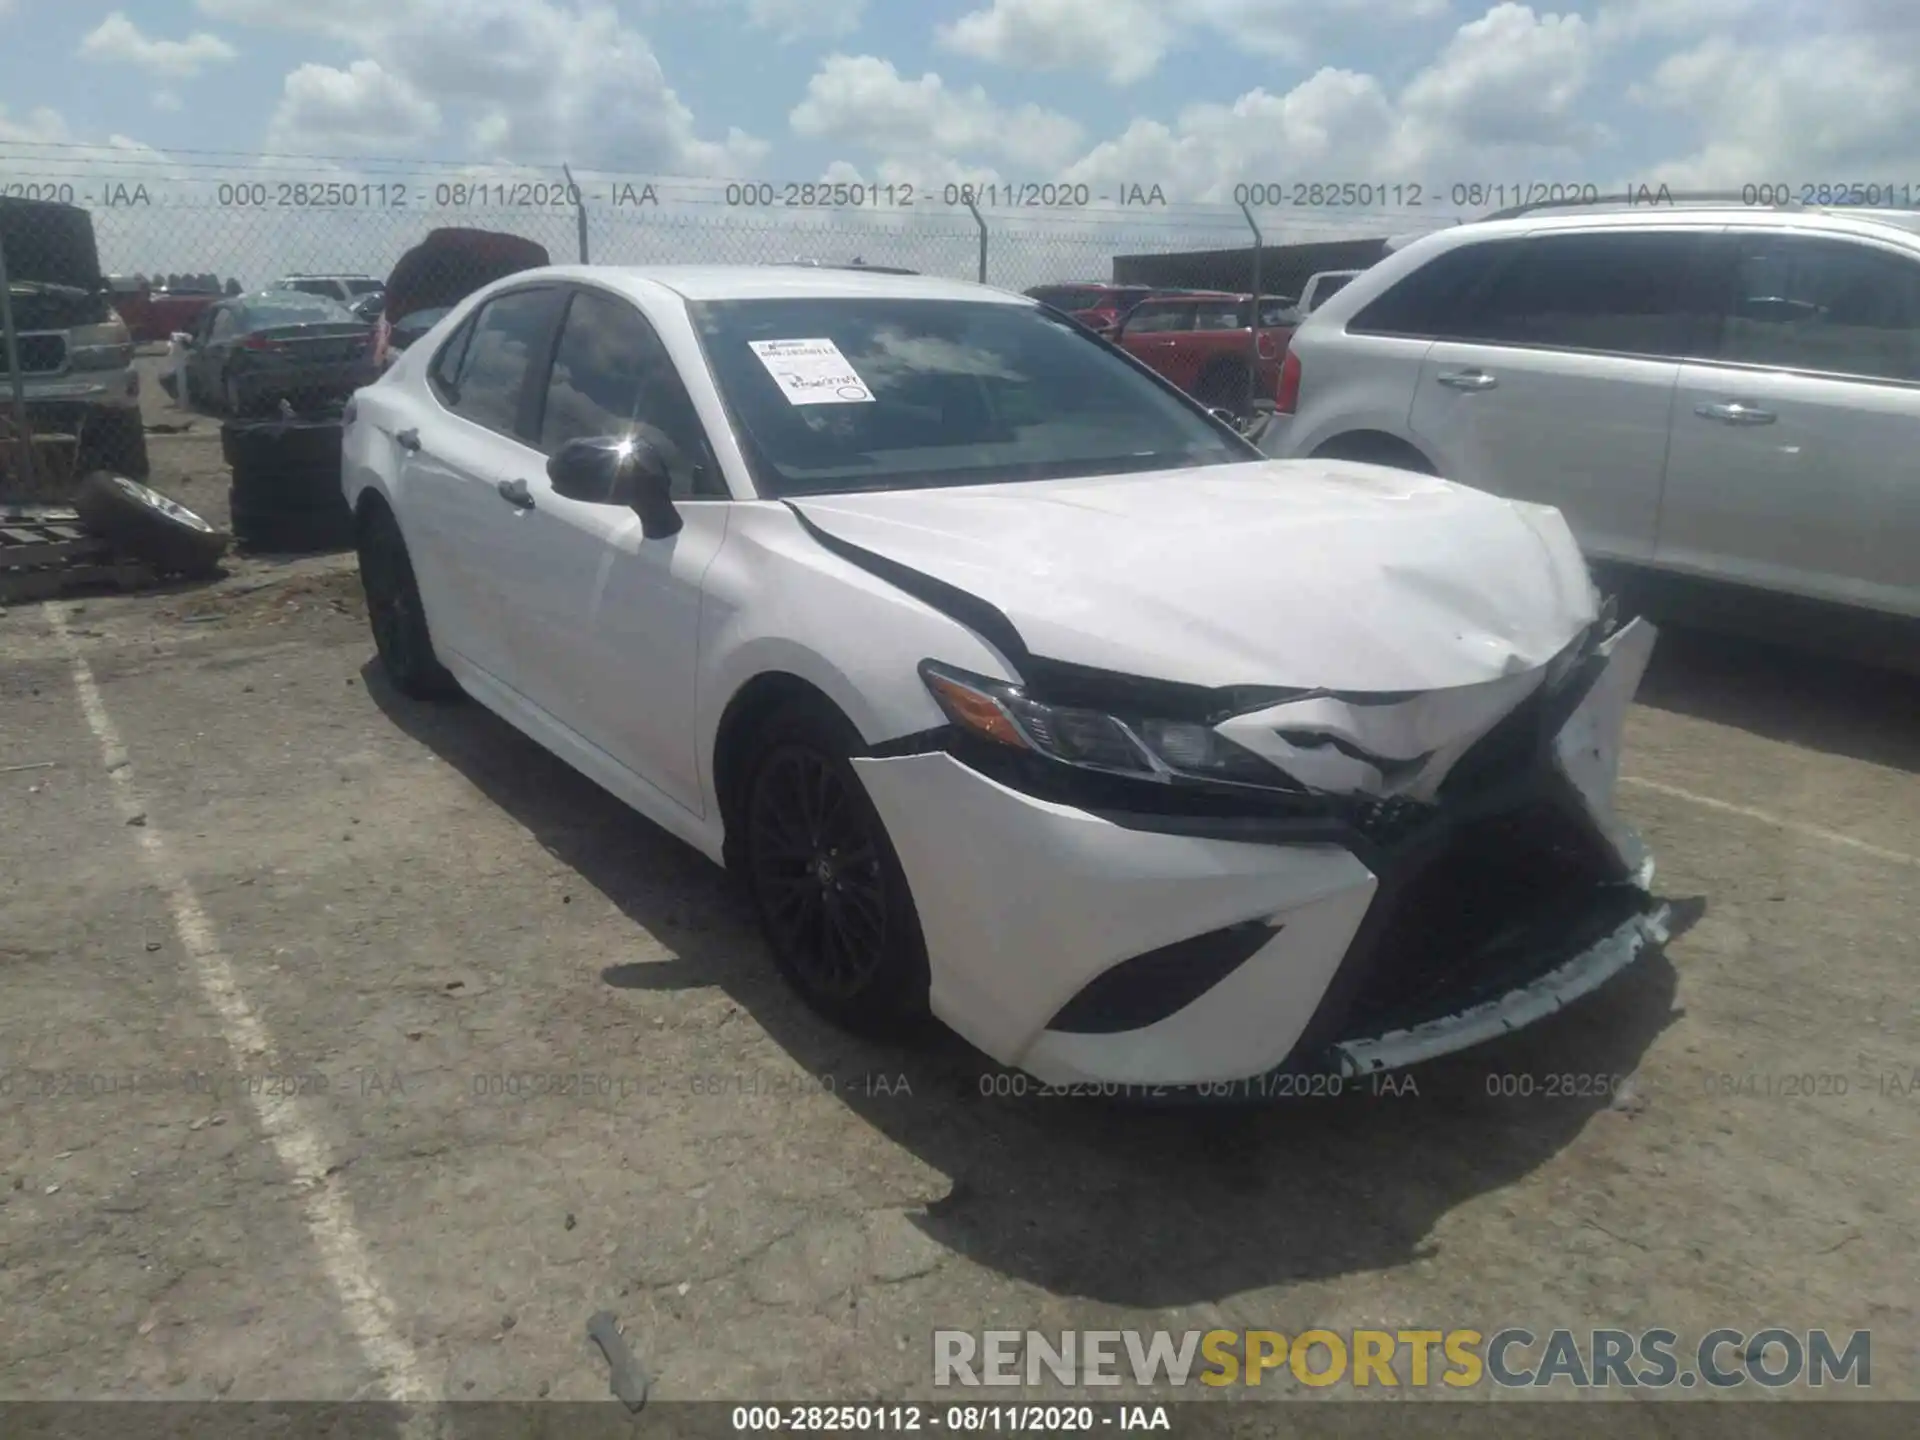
1140 1204
1796 694
1818 676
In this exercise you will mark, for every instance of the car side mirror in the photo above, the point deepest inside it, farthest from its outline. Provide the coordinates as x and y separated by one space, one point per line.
618 470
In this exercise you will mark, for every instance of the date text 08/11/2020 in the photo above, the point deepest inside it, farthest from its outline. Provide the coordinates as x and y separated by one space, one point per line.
1063 196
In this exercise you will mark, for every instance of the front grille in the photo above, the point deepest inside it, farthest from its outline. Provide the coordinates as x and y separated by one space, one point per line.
41 354
1468 924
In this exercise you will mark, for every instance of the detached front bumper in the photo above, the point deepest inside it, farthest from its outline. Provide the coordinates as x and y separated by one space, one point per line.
1175 951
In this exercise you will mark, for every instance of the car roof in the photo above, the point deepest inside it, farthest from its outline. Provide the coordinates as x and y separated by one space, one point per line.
1903 224
774 282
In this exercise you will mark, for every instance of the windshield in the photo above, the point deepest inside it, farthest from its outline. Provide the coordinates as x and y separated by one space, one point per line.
894 394
293 307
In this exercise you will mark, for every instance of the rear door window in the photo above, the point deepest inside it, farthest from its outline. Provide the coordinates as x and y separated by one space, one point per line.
511 339
1431 302
1618 292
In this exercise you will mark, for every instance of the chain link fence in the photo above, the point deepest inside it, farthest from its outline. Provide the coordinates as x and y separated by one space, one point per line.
91 233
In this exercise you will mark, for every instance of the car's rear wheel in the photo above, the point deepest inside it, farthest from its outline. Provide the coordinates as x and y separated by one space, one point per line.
832 897
394 611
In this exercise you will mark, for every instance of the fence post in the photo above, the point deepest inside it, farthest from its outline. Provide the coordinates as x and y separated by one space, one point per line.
966 194
22 436
1253 329
579 210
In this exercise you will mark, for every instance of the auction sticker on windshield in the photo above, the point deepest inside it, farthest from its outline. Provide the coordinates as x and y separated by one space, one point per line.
811 372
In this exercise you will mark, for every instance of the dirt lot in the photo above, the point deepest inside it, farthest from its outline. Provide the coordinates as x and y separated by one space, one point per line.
290 963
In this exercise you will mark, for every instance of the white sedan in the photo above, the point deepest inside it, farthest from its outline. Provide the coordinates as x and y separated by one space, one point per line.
1019 687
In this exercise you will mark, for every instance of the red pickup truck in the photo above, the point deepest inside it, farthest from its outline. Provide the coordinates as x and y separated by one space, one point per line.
1204 344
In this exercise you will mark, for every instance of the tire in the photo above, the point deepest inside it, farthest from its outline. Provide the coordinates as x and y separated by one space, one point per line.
288 531
273 445
114 441
145 523
288 490
847 940
1223 386
394 611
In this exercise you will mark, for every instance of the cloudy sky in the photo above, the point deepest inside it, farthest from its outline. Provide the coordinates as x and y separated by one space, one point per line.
1194 95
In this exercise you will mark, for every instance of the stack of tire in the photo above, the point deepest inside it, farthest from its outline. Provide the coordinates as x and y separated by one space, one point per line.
286 496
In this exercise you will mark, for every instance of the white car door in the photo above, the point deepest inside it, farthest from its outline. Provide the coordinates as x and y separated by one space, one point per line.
458 527
606 622
1792 460
1560 386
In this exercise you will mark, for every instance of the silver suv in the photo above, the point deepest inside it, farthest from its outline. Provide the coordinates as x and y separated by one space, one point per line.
1708 389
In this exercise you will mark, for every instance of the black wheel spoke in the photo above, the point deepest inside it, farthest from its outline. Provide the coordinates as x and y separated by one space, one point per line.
814 858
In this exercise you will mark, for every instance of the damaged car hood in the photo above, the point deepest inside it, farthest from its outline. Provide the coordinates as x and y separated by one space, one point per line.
1323 575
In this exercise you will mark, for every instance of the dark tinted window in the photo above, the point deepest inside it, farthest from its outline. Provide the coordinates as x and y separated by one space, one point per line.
1827 306
1429 302
1155 316
509 339
445 369
1622 292
612 376
887 394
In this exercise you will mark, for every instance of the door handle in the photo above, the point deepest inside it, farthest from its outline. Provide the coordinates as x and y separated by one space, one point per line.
1467 380
408 440
516 494
1734 412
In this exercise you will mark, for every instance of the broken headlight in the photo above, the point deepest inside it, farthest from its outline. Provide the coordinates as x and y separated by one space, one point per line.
1143 748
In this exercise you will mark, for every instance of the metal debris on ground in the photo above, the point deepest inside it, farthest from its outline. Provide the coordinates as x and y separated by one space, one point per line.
630 1382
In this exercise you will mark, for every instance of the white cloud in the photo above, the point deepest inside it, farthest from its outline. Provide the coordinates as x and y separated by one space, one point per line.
43 125
1125 40
168 100
1122 39
117 40
862 100
362 108
792 20
537 81
1510 78
1836 107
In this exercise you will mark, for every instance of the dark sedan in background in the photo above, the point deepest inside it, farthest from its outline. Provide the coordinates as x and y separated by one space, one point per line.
253 351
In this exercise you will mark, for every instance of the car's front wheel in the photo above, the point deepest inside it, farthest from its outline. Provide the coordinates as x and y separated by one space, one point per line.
394 611
831 894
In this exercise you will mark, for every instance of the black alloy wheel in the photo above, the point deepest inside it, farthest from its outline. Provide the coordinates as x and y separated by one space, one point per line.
395 614
832 897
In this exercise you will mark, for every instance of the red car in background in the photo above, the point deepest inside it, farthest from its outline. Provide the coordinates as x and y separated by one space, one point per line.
1096 306
1205 344
156 315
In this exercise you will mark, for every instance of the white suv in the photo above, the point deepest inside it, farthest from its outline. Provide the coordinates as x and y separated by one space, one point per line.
1713 390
